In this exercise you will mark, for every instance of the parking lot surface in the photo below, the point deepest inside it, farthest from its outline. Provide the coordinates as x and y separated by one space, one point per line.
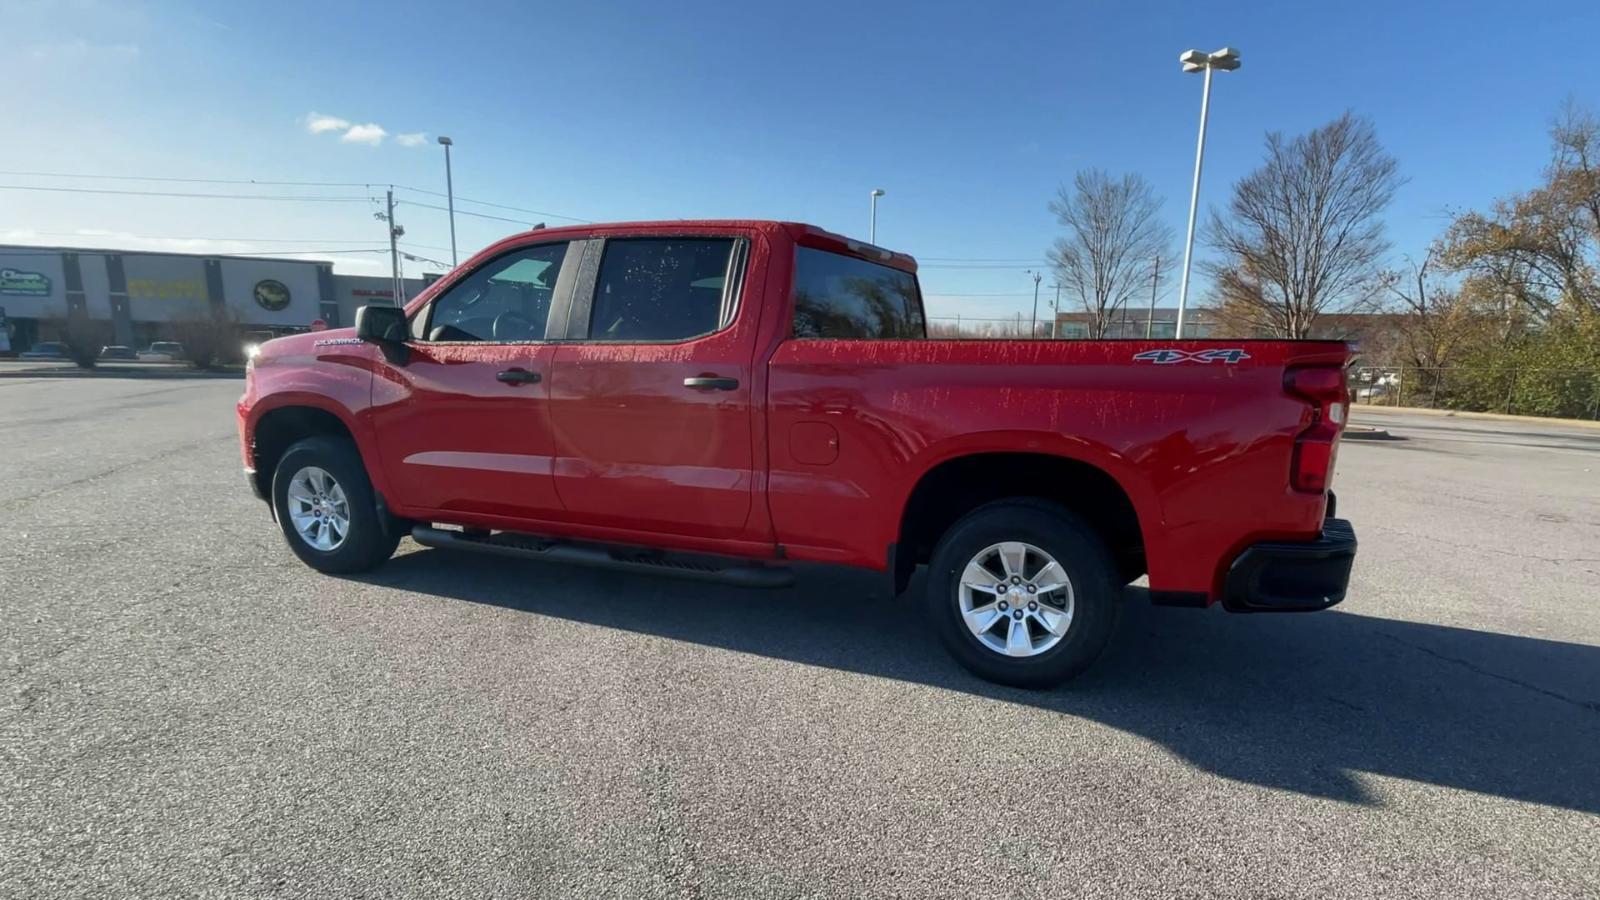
188 711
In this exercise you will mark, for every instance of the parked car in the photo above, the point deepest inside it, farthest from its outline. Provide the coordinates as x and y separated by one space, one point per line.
163 350
117 351
46 350
724 399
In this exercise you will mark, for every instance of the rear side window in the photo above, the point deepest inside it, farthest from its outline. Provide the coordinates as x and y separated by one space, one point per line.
843 297
652 289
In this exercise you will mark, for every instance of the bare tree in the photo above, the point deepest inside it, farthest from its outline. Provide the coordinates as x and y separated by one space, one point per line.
1303 234
1113 235
1436 319
77 335
210 338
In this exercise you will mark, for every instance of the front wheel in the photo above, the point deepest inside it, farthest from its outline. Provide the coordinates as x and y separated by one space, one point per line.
1022 592
327 508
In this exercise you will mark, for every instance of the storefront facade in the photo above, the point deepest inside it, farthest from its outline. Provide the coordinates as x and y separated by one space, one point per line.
131 298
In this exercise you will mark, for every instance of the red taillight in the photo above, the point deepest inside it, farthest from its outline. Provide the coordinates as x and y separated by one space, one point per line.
1323 387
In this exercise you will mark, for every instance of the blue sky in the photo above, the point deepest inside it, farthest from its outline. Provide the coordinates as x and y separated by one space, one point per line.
969 115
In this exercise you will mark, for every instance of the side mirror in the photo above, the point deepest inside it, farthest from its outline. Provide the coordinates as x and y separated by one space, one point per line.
381 324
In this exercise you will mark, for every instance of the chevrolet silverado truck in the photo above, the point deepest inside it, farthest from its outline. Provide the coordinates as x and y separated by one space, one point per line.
725 400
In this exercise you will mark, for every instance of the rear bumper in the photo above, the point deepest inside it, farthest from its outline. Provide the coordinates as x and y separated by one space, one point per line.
1292 576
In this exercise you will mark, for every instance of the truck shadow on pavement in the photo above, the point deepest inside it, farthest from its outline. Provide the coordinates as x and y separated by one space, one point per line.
1306 703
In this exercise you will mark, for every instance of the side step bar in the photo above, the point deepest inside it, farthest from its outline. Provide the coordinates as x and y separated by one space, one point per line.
628 559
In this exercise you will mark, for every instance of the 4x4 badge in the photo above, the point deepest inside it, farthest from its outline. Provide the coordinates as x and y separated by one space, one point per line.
1169 356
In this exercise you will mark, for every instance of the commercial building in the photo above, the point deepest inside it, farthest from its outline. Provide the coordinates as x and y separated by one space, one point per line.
1374 331
1160 323
132 297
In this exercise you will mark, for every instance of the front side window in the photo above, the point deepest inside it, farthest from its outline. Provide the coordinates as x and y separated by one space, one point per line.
508 299
843 297
660 289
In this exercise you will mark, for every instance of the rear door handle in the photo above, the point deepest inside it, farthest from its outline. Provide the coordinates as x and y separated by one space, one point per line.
711 383
518 376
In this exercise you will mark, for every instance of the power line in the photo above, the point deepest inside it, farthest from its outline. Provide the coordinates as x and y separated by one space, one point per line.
68 190
299 252
467 212
461 199
252 181
196 180
921 265
193 237
423 246
961 296
980 259
56 251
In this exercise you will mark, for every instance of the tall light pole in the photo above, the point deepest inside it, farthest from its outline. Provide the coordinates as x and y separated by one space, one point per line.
1226 59
1033 331
872 234
450 195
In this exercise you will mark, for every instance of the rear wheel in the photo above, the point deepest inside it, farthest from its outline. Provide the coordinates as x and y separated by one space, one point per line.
1023 593
327 508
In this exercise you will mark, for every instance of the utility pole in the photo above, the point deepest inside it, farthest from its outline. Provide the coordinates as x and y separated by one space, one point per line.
398 291
1033 330
1155 278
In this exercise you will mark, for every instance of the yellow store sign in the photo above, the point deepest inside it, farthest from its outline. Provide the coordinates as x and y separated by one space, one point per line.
161 289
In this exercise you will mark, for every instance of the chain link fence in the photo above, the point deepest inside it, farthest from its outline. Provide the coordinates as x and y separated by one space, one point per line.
1561 393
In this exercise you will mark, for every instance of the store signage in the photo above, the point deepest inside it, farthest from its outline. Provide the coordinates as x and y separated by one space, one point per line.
18 283
272 295
168 289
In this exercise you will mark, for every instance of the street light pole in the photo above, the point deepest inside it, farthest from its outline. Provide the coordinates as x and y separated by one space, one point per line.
1055 310
1155 279
450 195
1226 59
872 233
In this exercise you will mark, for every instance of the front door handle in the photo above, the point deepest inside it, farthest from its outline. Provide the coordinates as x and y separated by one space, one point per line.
518 376
711 383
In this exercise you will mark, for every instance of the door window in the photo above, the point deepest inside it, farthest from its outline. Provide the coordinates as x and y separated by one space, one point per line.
843 297
652 289
506 300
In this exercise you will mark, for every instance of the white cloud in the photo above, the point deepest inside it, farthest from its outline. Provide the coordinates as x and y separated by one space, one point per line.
371 133
317 123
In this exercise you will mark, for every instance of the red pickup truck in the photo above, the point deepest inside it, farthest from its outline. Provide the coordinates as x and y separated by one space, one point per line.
725 399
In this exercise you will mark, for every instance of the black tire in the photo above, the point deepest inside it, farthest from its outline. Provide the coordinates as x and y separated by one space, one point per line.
1096 589
368 543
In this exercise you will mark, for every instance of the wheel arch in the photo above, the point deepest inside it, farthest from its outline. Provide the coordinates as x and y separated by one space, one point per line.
958 482
275 428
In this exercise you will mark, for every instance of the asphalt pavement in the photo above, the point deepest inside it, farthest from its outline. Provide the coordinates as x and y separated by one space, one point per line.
188 711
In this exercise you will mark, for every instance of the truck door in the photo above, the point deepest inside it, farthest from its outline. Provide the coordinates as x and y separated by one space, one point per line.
463 422
650 400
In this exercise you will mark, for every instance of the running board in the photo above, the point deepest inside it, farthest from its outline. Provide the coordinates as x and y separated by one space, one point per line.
627 559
